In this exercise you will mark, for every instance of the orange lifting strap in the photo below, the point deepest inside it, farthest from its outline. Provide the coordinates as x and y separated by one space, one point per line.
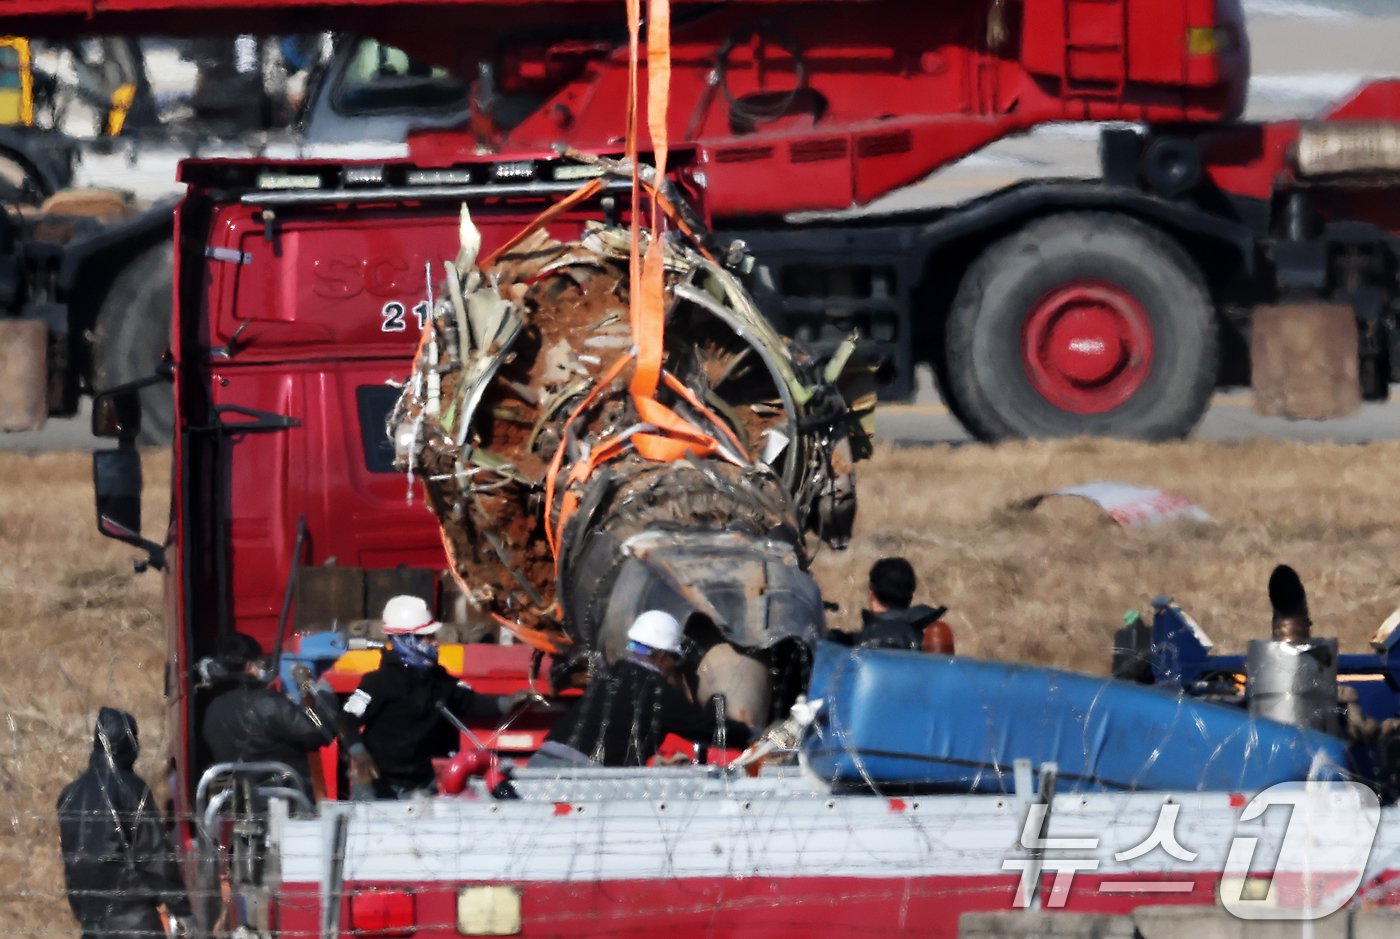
674 437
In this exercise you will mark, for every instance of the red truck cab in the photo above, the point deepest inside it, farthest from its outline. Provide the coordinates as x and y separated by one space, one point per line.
299 296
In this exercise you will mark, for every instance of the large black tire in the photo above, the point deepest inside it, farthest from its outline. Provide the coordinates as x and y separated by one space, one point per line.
133 332
20 183
1028 324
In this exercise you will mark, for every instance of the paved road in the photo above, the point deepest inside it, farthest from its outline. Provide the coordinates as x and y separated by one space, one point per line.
1230 418
67 433
927 421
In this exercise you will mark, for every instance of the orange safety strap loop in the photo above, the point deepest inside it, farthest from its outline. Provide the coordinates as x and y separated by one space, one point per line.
582 194
634 38
654 447
661 449
544 641
691 398
550 476
664 419
600 454
648 323
568 504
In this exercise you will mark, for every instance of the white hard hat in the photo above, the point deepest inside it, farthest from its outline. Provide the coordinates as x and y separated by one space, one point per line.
656 629
405 615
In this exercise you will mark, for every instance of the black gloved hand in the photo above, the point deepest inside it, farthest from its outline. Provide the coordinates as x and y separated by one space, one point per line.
363 771
514 702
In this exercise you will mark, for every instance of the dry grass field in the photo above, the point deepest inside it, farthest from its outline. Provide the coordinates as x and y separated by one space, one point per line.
79 630
1050 586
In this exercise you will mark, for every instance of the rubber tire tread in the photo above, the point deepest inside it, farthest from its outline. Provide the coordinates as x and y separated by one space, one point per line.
985 368
133 331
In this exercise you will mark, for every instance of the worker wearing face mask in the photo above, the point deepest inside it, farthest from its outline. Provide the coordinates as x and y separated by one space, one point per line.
246 721
400 704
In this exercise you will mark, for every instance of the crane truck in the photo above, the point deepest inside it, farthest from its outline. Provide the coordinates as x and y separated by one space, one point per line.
1209 252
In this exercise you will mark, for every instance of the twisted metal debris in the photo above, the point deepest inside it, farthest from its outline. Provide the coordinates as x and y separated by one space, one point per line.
564 514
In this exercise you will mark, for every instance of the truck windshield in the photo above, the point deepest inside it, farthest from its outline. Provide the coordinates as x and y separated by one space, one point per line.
381 78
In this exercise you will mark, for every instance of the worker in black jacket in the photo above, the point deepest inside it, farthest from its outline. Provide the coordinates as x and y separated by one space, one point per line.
118 864
249 722
627 711
400 704
891 622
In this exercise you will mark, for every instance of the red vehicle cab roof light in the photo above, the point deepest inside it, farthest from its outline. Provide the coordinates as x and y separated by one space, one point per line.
456 176
513 170
271 180
383 914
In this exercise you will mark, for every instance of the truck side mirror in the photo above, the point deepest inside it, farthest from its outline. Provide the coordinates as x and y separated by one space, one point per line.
116 413
116 482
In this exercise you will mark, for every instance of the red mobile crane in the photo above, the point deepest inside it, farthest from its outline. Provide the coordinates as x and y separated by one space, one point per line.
1051 307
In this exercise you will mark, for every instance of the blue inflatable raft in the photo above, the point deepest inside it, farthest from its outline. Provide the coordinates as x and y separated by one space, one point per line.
952 723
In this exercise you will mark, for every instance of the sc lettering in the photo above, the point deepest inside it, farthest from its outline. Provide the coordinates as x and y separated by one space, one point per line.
343 277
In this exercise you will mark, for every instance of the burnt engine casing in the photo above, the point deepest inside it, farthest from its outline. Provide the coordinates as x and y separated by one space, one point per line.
518 420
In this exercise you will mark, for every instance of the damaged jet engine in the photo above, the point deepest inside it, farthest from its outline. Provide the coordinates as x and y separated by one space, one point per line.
564 513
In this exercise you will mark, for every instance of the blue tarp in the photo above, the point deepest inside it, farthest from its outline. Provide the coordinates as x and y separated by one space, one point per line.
953 723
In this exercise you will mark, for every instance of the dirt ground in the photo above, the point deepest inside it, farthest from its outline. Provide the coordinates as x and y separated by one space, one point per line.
1047 586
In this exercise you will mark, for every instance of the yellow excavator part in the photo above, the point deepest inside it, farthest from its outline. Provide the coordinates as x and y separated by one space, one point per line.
121 104
16 83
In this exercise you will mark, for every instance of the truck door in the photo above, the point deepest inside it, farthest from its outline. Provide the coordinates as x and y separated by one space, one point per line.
311 321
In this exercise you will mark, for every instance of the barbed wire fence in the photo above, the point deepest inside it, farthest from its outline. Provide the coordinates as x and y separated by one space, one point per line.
648 826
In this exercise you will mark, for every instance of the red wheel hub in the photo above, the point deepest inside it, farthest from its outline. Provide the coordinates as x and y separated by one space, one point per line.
1087 346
